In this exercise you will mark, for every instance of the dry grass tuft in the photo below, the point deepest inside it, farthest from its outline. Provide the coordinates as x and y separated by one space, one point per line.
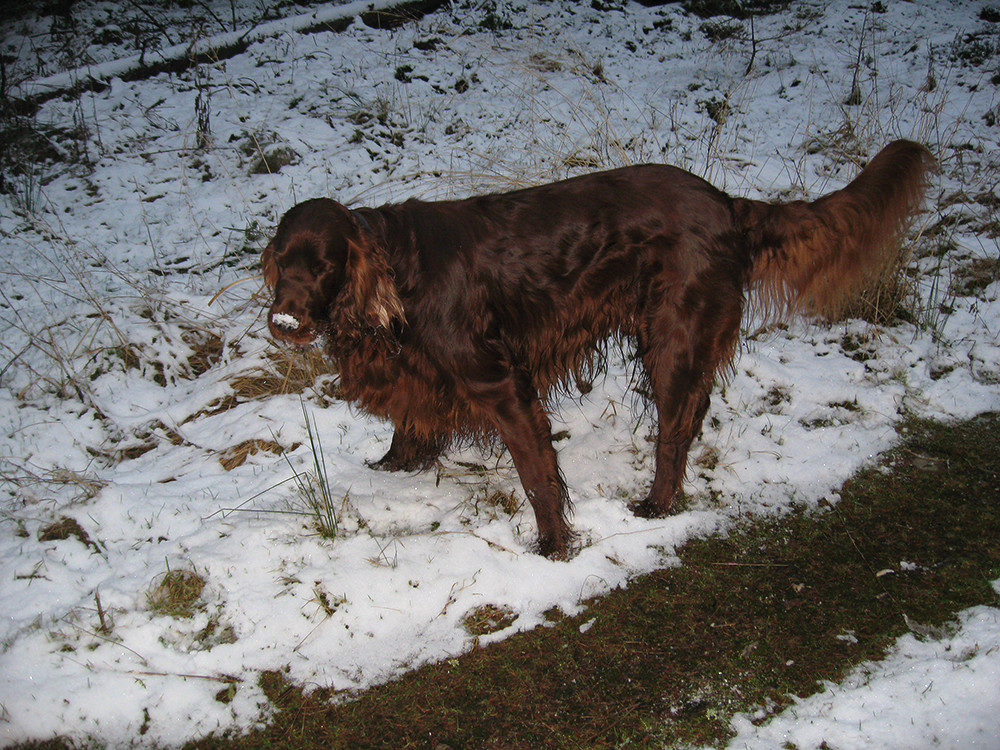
176 593
206 350
218 406
506 500
885 301
290 372
238 454
487 619
65 528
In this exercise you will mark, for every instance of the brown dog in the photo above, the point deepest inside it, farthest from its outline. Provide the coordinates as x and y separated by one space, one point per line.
456 319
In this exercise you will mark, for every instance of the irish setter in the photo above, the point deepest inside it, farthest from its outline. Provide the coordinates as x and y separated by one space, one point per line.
458 319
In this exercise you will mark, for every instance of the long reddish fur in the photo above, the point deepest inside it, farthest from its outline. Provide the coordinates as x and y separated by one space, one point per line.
457 319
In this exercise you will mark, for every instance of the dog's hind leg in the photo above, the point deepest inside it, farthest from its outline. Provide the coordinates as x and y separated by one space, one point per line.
684 341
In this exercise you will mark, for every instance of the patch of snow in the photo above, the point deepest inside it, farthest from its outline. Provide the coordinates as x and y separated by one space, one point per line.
285 321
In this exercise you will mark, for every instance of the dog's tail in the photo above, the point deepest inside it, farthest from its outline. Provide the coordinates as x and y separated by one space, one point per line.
816 257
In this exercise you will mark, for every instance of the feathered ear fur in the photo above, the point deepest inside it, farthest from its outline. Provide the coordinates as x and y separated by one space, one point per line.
370 285
268 266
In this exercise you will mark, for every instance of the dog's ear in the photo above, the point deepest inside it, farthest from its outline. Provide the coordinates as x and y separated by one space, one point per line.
372 289
268 266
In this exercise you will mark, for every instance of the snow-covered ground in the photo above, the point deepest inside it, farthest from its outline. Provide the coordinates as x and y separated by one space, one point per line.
129 392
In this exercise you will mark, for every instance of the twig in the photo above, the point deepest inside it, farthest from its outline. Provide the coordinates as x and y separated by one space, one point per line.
452 593
92 634
103 628
250 499
753 47
214 678
231 284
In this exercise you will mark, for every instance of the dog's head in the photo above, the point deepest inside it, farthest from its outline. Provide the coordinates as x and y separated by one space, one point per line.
324 264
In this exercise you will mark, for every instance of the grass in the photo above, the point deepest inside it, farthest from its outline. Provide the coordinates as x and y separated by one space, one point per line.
743 623
314 488
176 593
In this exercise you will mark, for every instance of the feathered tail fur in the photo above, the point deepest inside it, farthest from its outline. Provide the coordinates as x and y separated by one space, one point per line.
815 257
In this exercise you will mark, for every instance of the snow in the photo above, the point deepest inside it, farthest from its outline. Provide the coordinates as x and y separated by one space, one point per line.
928 692
286 321
113 253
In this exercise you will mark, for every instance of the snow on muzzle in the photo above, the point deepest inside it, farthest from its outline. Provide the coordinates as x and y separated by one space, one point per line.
292 328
